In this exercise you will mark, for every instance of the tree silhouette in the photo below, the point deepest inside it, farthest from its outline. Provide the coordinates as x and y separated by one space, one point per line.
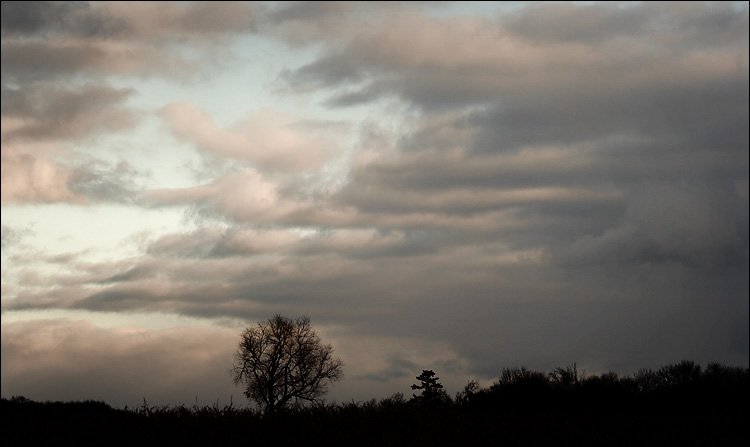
566 378
283 360
432 391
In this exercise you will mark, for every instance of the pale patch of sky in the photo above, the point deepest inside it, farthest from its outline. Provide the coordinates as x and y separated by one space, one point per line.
247 80
85 234
61 228
150 321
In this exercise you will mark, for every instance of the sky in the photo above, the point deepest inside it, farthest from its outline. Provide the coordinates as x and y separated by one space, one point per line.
462 187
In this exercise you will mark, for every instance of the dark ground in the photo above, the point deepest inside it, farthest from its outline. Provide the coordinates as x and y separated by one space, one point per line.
678 405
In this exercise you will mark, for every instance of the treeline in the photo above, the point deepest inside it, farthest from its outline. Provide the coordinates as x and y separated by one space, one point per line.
680 404
684 381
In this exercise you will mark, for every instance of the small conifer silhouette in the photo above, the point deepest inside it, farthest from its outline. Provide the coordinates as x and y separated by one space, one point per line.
432 391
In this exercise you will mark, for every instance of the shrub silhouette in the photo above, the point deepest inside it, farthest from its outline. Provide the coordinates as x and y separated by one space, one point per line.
520 387
469 394
565 378
683 374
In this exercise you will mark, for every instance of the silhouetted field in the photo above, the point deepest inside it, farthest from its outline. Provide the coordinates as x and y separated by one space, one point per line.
679 405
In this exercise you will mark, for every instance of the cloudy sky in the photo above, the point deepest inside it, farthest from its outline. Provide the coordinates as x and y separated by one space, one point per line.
456 187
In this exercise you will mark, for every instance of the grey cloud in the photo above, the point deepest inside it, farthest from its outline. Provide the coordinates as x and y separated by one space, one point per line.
411 243
356 96
105 183
47 114
430 89
82 19
616 319
333 69
132 274
357 244
369 62
28 17
72 38
39 18
198 244
38 178
568 22
398 368
690 24
212 18
47 40
216 243
30 62
12 236
450 185
306 11
698 114
122 299
299 23
514 317
52 112
700 226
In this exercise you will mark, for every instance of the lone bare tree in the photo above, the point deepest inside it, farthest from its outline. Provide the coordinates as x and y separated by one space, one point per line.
283 360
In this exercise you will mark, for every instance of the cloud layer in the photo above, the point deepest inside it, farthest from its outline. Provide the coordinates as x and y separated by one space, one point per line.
536 186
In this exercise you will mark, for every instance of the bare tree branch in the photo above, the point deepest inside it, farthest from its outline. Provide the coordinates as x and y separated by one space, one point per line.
283 359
